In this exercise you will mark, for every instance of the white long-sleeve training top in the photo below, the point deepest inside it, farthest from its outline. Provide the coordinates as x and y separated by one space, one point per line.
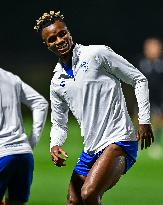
96 99
13 92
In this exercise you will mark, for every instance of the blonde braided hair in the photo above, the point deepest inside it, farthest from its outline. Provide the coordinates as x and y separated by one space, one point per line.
47 19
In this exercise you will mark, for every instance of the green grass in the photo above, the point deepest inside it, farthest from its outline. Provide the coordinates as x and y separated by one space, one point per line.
142 185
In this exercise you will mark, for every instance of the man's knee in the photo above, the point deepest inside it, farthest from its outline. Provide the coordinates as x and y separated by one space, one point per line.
73 200
89 193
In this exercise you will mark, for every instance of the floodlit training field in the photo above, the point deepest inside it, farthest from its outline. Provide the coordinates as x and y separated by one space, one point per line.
142 185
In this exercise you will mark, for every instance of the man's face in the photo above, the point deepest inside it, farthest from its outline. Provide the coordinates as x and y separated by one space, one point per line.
57 38
152 49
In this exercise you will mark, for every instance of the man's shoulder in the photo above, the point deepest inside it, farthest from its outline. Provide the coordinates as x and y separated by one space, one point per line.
5 72
56 73
8 75
57 68
96 49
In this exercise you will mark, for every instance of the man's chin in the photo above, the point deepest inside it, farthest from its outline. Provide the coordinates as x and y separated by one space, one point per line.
59 54
62 54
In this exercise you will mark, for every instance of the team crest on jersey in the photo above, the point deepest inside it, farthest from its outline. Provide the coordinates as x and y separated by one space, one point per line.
84 66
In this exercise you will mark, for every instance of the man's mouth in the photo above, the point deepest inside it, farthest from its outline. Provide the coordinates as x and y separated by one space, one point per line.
62 46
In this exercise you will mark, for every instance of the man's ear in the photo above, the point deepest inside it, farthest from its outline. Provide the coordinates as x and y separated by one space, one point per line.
45 43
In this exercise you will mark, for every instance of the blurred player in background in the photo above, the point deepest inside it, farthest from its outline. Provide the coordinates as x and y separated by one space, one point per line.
16 158
151 65
87 81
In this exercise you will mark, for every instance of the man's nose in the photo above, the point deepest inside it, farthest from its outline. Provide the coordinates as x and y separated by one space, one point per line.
59 40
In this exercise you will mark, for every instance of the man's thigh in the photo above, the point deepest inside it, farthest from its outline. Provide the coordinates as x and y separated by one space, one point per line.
74 190
6 170
107 170
21 180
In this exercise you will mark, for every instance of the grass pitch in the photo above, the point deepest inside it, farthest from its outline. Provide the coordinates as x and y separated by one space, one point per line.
142 185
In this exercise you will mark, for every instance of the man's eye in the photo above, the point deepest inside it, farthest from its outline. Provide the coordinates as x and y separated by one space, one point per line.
62 34
51 39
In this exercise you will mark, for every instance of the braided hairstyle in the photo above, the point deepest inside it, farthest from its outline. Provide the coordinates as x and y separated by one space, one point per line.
47 19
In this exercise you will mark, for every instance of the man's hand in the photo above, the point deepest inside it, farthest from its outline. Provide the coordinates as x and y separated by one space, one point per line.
145 135
58 156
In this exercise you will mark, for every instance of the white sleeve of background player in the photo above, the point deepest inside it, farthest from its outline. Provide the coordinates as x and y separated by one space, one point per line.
123 70
59 119
39 107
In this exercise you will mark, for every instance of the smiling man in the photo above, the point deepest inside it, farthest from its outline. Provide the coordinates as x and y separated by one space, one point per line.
58 33
87 81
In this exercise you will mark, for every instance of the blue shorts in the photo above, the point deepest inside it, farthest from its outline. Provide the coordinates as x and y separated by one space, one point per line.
86 160
16 173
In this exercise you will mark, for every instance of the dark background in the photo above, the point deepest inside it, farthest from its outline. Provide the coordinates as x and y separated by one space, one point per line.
122 25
